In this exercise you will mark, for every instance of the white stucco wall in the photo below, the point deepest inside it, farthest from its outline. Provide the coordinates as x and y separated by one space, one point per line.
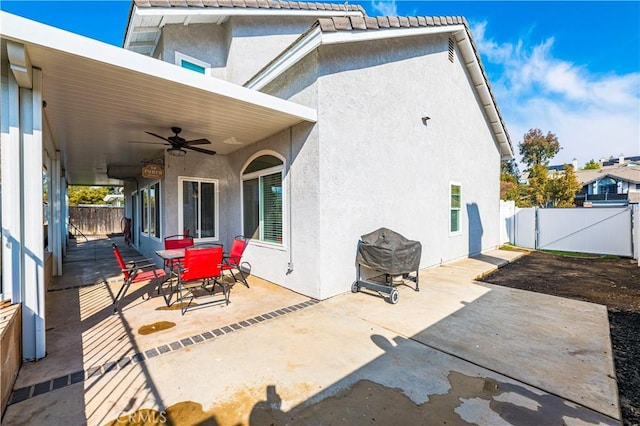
368 162
205 42
300 148
257 40
237 49
381 166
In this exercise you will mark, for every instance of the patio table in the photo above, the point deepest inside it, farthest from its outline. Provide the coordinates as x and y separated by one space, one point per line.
169 256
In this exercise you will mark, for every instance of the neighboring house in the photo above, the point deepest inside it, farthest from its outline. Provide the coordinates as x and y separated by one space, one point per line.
327 124
614 183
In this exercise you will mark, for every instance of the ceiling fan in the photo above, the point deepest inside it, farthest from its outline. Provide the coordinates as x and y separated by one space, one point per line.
177 143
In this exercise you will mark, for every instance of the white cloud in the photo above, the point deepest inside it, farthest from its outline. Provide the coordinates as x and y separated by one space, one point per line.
593 115
385 7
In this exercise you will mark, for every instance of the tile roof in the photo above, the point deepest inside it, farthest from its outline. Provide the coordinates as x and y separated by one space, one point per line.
354 23
611 162
625 172
367 23
251 4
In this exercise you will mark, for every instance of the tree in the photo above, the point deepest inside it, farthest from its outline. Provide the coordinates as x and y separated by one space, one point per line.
509 185
86 195
510 168
537 148
564 187
538 190
592 165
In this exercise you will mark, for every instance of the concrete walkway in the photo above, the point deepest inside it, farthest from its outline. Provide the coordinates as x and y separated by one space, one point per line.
457 351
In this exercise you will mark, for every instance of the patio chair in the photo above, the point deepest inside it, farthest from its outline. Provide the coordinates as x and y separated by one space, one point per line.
201 265
136 272
176 242
233 260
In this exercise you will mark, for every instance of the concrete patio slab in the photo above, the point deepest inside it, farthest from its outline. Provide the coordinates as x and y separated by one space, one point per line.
273 356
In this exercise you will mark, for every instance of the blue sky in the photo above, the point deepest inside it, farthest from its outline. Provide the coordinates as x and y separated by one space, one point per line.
572 68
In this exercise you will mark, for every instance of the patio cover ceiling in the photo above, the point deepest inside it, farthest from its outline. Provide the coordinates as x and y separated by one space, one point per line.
100 97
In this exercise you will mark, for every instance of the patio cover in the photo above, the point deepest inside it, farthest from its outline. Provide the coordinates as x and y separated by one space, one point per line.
74 104
99 97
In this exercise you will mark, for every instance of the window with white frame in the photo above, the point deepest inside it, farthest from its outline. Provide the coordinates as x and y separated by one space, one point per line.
262 199
198 213
192 64
150 209
455 191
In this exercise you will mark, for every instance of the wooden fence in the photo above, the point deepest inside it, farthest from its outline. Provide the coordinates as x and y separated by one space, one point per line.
96 220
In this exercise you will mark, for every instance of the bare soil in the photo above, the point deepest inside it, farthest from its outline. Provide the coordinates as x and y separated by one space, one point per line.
611 282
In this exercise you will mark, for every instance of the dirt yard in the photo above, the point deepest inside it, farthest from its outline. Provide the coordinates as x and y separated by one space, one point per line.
611 282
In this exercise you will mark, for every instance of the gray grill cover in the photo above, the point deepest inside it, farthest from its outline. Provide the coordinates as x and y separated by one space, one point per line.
389 252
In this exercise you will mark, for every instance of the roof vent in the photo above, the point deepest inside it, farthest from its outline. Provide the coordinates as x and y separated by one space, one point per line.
451 50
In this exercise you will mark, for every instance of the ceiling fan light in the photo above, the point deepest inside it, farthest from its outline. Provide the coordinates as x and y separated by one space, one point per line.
177 152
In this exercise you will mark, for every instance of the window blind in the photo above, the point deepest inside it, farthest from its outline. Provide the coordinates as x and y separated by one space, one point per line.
272 207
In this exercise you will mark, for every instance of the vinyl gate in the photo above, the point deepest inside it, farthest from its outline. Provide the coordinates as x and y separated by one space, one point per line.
583 230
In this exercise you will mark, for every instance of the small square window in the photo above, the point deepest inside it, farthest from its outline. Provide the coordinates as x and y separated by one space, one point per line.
191 63
193 67
454 208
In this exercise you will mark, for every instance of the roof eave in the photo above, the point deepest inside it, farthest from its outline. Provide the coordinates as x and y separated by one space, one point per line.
480 80
218 14
316 37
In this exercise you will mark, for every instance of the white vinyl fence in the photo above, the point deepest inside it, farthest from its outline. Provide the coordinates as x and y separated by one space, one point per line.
583 230
636 232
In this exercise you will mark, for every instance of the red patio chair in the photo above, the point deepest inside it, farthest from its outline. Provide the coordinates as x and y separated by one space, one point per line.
201 265
233 260
136 272
176 242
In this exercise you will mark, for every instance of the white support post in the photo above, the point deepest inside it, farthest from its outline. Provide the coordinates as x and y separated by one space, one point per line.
33 308
11 206
56 215
48 213
636 231
64 207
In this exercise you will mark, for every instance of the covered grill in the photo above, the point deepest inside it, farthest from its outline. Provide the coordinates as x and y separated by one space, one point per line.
391 255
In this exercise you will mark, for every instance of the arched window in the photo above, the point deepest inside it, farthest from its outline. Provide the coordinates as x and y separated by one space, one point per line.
607 186
262 201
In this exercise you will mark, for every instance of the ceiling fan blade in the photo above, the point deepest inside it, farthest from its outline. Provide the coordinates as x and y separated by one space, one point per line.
204 151
149 143
197 142
158 136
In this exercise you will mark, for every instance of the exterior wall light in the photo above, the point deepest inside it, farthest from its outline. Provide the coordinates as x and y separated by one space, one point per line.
425 119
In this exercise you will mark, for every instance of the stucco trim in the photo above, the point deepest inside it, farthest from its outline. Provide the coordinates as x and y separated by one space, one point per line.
301 48
316 37
286 202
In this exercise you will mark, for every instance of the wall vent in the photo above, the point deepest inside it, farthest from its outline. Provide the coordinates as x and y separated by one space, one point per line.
451 50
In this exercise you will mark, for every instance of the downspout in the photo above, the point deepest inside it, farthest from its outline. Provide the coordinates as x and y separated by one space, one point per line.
289 208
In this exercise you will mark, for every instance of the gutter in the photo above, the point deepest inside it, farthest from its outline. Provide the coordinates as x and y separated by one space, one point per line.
481 84
127 30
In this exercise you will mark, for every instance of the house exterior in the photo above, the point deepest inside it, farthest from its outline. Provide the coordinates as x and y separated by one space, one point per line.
364 164
327 124
614 183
